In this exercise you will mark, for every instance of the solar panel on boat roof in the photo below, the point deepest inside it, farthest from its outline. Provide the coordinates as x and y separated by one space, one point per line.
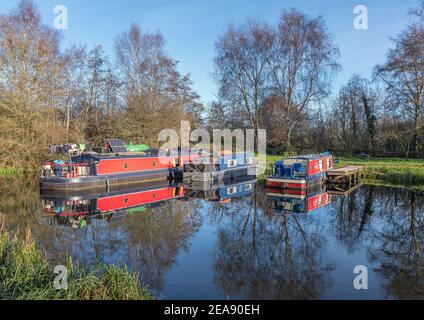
117 145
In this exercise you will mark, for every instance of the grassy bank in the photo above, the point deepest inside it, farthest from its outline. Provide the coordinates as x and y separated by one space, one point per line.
25 273
10 171
393 171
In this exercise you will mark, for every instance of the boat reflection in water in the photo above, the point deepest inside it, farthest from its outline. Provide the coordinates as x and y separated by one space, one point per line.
306 200
77 208
222 191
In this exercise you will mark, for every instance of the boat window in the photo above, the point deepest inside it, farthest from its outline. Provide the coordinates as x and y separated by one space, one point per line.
232 163
231 190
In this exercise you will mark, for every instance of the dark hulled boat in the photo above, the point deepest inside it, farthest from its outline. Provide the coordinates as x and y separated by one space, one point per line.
113 166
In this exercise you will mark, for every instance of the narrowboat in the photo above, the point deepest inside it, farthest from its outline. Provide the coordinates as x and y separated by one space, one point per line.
299 201
301 172
113 165
222 166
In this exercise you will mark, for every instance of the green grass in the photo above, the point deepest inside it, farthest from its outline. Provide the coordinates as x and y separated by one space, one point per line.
25 273
395 171
392 171
11 171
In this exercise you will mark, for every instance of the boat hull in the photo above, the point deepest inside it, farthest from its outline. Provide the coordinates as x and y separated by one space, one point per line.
295 183
103 181
221 175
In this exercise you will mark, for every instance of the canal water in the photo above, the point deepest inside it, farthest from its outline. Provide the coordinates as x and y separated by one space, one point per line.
235 241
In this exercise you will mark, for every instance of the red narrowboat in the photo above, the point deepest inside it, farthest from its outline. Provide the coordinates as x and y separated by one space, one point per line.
113 166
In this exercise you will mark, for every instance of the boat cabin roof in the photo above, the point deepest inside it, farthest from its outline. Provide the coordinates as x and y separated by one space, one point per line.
309 157
305 157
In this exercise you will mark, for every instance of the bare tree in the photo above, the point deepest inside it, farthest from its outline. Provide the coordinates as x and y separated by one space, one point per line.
143 63
73 84
303 62
395 129
30 57
370 102
156 95
31 85
276 73
100 97
403 76
345 121
242 66
418 12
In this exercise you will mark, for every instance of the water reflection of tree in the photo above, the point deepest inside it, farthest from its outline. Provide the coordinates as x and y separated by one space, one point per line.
397 246
266 255
18 197
148 241
389 223
351 215
155 238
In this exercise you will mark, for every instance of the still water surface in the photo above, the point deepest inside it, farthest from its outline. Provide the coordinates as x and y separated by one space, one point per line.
236 242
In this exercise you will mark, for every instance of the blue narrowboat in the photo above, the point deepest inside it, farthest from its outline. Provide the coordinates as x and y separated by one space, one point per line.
301 172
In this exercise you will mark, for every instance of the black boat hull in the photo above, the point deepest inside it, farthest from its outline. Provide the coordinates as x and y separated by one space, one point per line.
103 181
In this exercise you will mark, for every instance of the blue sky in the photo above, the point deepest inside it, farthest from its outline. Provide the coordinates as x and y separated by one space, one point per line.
192 26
